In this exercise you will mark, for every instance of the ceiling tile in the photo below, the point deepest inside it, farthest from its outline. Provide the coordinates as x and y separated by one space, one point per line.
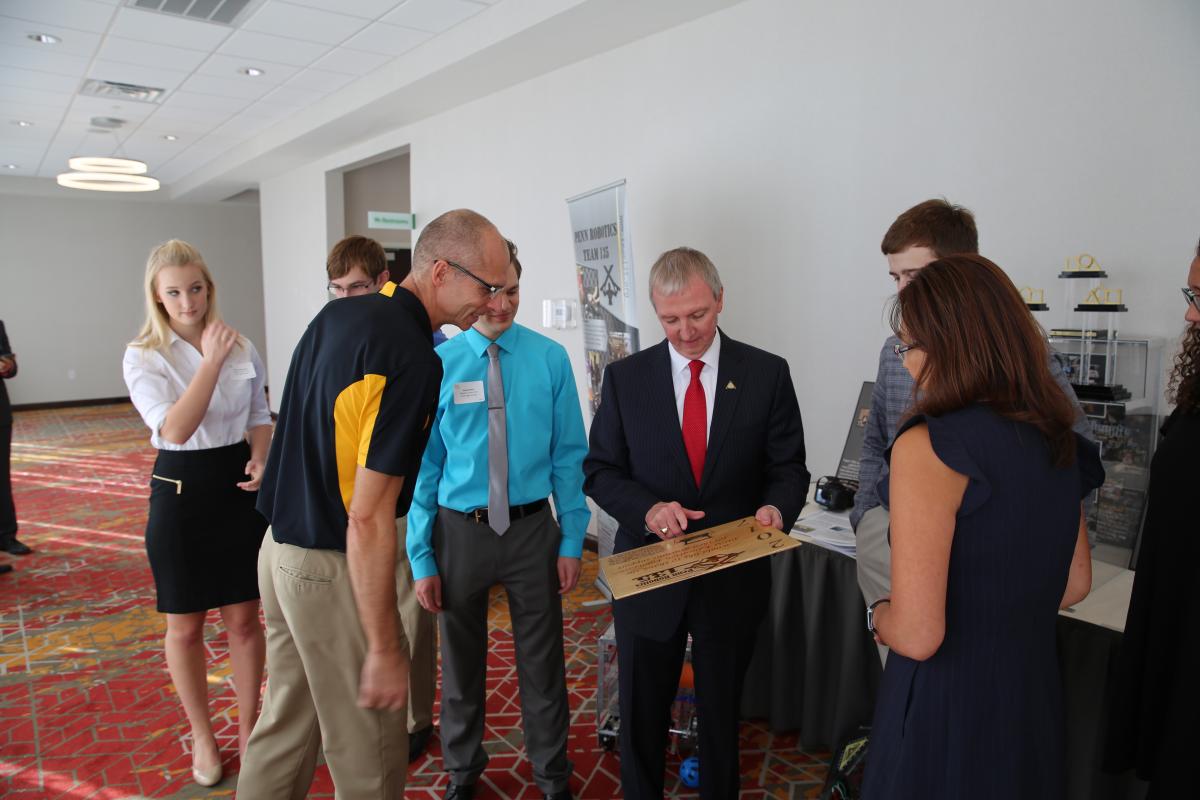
369 9
246 88
39 136
294 96
42 116
275 49
173 119
352 62
390 40
136 73
32 79
150 54
33 96
223 66
82 15
74 43
320 80
150 26
43 60
434 16
299 22
244 127
25 155
207 102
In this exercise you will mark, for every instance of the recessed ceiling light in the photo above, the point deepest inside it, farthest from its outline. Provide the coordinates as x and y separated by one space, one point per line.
252 72
22 123
11 166
44 38
170 137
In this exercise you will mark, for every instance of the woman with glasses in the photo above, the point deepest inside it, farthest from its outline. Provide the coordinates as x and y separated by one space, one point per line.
1153 723
199 387
988 542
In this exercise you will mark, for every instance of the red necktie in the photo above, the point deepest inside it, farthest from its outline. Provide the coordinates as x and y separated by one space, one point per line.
695 421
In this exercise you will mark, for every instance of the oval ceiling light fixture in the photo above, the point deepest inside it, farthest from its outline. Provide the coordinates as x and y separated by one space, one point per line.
43 38
22 123
12 166
252 72
170 137
108 181
124 166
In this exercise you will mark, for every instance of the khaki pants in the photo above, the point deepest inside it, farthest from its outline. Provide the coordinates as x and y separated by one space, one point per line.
420 626
874 559
315 652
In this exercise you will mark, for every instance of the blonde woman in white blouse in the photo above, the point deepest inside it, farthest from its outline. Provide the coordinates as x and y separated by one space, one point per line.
199 386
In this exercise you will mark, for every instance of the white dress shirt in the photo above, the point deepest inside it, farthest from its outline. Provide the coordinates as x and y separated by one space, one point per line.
681 375
239 401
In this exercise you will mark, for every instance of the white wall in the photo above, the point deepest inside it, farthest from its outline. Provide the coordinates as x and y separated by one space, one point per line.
783 137
71 272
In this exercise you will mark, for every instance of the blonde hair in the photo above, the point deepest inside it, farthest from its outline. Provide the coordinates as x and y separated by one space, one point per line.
156 330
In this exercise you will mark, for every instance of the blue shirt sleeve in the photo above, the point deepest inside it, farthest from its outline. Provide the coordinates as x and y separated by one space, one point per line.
568 446
423 510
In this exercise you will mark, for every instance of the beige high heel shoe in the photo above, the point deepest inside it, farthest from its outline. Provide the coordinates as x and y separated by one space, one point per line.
207 777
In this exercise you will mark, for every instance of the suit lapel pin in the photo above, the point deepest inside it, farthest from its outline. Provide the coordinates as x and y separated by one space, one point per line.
730 385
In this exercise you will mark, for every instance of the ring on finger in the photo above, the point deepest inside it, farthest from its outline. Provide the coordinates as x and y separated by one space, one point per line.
663 530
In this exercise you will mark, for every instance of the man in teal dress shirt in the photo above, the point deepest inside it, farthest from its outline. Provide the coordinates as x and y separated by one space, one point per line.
479 518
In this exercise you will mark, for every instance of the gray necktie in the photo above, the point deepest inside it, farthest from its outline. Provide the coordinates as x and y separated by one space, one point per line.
497 445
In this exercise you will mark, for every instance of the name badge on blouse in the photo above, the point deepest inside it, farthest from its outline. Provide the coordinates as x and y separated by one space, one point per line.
468 392
243 371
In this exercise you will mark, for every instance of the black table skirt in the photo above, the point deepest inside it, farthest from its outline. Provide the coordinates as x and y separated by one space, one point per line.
816 671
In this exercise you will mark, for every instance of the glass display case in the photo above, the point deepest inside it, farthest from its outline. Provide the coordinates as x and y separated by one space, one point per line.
1118 385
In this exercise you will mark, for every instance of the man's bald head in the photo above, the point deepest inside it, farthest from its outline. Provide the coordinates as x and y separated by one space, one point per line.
461 235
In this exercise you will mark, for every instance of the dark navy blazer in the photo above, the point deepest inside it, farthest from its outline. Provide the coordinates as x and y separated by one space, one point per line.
755 457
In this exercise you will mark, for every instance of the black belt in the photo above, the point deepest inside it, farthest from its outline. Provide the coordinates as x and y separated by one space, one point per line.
480 515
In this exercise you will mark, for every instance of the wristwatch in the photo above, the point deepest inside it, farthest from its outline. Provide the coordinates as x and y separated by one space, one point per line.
871 613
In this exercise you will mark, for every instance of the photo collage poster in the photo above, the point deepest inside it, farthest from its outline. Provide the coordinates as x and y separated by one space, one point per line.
608 302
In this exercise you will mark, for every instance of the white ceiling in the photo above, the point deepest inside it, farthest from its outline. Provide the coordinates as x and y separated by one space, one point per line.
308 50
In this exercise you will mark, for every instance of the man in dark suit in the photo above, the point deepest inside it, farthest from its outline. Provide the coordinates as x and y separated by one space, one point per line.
694 432
8 512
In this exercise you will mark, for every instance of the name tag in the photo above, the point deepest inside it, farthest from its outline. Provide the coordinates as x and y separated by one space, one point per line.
243 371
468 392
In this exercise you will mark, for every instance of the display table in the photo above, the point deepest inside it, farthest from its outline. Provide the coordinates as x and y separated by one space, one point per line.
816 671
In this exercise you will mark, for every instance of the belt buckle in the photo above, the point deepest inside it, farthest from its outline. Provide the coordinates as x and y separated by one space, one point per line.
478 516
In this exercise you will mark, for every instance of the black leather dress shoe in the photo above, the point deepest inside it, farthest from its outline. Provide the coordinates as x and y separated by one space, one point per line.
5 568
455 791
565 794
17 548
418 741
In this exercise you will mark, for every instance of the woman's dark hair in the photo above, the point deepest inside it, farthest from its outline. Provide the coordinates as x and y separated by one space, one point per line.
982 345
1184 387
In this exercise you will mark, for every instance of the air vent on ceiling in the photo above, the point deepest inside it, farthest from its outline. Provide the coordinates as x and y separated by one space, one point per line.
121 91
223 12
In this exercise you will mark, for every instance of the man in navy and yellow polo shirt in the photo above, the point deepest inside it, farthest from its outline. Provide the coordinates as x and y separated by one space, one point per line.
355 414
508 434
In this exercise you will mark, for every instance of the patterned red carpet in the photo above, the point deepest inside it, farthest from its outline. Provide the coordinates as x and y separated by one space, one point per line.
86 706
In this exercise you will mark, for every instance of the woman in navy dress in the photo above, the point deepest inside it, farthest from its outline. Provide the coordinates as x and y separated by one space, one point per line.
988 542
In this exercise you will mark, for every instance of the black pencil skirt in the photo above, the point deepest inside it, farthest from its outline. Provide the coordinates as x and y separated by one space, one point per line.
203 532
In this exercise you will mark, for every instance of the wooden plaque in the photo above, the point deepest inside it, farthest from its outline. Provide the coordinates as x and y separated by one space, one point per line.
675 560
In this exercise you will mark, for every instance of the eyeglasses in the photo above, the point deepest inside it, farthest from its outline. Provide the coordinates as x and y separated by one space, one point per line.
354 288
492 290
900 349
1193 297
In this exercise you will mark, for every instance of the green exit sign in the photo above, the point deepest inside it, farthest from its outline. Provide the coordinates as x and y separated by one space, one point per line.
391 220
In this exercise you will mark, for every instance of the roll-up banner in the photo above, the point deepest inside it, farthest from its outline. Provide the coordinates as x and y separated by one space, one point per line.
607 297
604 270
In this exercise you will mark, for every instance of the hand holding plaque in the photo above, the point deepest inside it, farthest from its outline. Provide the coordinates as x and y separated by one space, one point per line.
692 555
